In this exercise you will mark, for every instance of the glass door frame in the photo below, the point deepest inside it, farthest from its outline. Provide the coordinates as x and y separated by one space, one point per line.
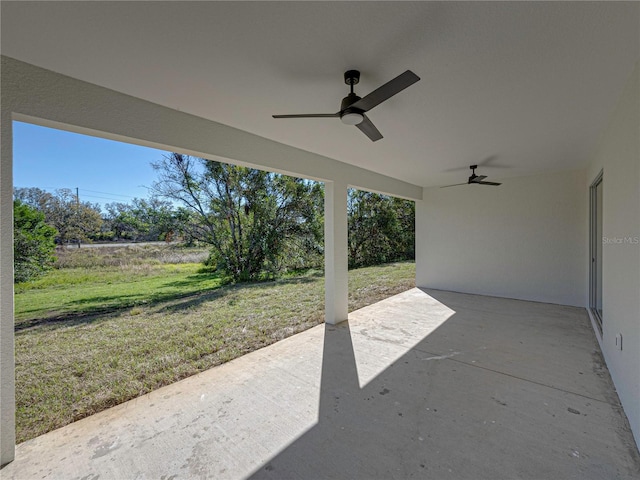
595 250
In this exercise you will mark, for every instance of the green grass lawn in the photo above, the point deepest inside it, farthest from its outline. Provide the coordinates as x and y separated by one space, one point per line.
87 340
78 291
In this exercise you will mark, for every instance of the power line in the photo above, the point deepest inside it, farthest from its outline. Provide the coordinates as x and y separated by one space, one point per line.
103 198
107 193
77 188
87 190
46 188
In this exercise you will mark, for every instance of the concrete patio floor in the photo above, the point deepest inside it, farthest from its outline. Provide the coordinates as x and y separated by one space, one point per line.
426 384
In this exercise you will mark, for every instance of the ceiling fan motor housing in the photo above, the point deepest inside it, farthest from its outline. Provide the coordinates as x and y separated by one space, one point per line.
348 101
350 116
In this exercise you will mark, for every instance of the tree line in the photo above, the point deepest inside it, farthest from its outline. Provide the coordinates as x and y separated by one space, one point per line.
257 224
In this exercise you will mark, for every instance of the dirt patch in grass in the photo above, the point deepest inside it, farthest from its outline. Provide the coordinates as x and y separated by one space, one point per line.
70 369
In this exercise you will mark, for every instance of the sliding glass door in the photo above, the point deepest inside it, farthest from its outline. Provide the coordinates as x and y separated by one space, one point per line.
596 242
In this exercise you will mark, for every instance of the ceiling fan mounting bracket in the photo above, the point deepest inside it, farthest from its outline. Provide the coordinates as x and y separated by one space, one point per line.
352 77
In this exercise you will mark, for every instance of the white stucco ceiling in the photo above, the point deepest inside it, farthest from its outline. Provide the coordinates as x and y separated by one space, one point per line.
528 86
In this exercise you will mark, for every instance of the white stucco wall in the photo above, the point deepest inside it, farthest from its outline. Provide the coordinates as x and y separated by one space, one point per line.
7 361
618 156
524 239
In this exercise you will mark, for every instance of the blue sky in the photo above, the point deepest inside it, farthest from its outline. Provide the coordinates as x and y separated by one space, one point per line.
105 171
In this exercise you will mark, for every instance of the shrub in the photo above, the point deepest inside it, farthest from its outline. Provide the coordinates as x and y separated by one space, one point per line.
33 243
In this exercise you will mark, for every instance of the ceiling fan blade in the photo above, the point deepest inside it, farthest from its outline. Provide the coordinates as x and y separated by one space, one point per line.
309 115
455 185
489 183
477 179
386 91
369 129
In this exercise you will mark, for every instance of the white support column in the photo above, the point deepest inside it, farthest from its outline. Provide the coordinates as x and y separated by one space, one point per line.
7 362
336 281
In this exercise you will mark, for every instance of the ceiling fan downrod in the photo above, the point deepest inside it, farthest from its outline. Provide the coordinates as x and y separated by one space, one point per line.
351 116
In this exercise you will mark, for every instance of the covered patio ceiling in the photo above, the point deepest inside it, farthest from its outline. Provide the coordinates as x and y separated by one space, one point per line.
524 86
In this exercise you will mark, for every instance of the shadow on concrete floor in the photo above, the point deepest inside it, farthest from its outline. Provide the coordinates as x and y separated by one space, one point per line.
468 411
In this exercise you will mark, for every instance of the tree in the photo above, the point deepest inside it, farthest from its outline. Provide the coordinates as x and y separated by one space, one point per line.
119 220
74 220
155 219
33 242
405 211
150 220
381 229
252 219
32 196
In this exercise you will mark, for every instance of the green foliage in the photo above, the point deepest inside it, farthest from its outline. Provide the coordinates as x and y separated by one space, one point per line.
381 229
119 220
74 220
258 225
31 196
253 220
143 220
33 244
